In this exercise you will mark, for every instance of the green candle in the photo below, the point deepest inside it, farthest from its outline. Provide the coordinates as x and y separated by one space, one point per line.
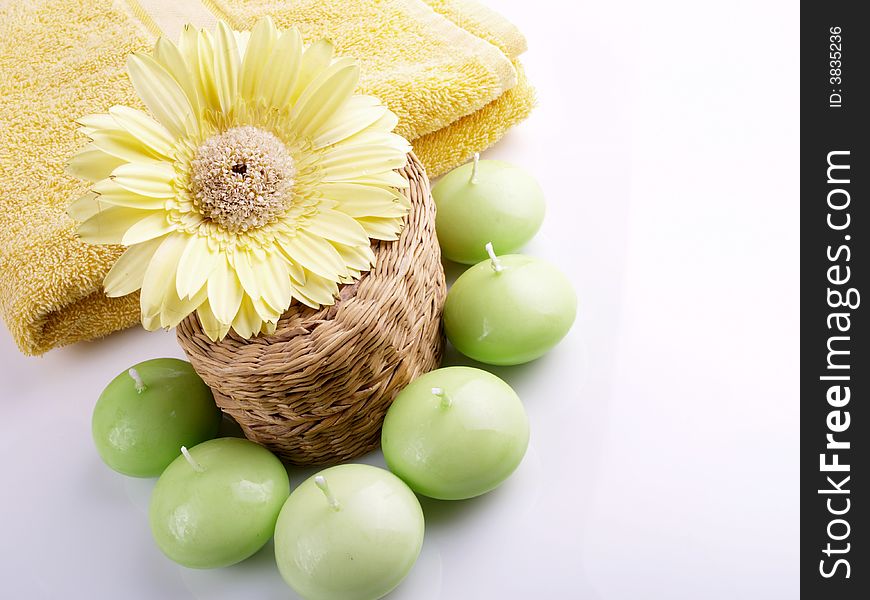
217 503
455 433
148 412
486 201
351 532
509 309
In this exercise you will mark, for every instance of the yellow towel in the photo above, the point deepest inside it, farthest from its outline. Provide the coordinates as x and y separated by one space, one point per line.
448 68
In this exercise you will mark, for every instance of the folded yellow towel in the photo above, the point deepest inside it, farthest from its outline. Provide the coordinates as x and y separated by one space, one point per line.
447 67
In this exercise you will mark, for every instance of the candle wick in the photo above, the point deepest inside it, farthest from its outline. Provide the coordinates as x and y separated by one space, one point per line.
194 465
493 259
320 481
473 179
140 385
446 401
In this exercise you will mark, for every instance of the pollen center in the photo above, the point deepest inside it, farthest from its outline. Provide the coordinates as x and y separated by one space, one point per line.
242 178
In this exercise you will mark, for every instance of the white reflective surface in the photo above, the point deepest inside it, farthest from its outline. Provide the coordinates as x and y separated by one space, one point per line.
664 448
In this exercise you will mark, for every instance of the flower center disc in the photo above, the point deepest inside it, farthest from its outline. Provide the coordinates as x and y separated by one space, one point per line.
242 178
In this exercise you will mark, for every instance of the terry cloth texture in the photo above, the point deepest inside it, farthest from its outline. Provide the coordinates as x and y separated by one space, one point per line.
447 68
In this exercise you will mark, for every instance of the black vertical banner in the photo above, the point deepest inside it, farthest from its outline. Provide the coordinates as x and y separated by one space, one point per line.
835 369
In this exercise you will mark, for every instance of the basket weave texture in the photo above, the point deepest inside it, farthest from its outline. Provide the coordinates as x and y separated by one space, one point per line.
316 391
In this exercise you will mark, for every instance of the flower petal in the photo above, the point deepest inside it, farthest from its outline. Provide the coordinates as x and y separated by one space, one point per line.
359 258
248 277
266 312
112 193
358 200
276 87
224 291
299 295
145 129
347 162
154 225
393 210
356 115
110 224
371 137
336 226
247 321
188 48
275 282
392 179
382 229
242 39
159 275
118 142
170 57
162 94
386 122
314 253
93 164
95 121
226 67
254 66
84 207
151 179
128 272
295 270
315 59
149 323
352 276
195 266
175 309
325 95
213 328
320 290
205 68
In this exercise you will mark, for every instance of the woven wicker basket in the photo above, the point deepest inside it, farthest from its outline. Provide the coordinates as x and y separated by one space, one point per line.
316 391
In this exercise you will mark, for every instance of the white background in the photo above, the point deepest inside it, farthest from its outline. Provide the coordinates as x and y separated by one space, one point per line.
664 453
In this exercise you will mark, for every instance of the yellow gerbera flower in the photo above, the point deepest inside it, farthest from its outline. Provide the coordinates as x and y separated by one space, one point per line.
260 179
